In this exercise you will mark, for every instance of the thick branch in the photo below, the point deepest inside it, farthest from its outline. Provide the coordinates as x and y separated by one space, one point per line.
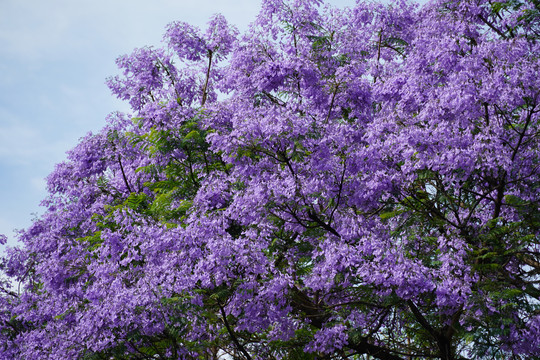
422 320
318 317
339 193
527 259
205 88
334 93
324 225
488 23
502 180
312 311
363 347
124 174
443 339
234 339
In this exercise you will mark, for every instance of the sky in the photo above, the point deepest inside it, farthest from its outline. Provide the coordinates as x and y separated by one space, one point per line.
54 58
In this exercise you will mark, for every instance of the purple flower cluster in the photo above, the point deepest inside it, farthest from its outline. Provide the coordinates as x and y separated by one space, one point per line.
334 183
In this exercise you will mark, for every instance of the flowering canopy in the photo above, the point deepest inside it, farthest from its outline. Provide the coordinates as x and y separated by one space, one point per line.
355 183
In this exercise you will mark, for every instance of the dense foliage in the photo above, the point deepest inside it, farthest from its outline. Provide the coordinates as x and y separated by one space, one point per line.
333 184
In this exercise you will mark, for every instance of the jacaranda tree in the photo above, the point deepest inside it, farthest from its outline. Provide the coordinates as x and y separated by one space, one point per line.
355 183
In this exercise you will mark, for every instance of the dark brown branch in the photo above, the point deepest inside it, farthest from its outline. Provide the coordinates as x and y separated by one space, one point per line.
363 347
205 87
312 311
8 292
430 210
325 226
234 339
274 99
502 179
316 314
332 103
451 329
443 342
379 47
396 50
124 174
527 259
500 195
422 320
173 82
339 193
488 23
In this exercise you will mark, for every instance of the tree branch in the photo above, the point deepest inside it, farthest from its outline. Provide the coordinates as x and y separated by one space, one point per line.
205 88
325 226
124 174
232 334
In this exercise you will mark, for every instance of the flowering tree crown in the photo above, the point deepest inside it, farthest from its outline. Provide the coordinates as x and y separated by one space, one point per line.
358 183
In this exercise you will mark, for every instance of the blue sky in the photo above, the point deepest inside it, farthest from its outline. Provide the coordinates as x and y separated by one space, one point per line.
54 58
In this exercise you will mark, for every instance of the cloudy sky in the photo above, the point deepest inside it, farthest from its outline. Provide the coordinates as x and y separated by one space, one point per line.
54 58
